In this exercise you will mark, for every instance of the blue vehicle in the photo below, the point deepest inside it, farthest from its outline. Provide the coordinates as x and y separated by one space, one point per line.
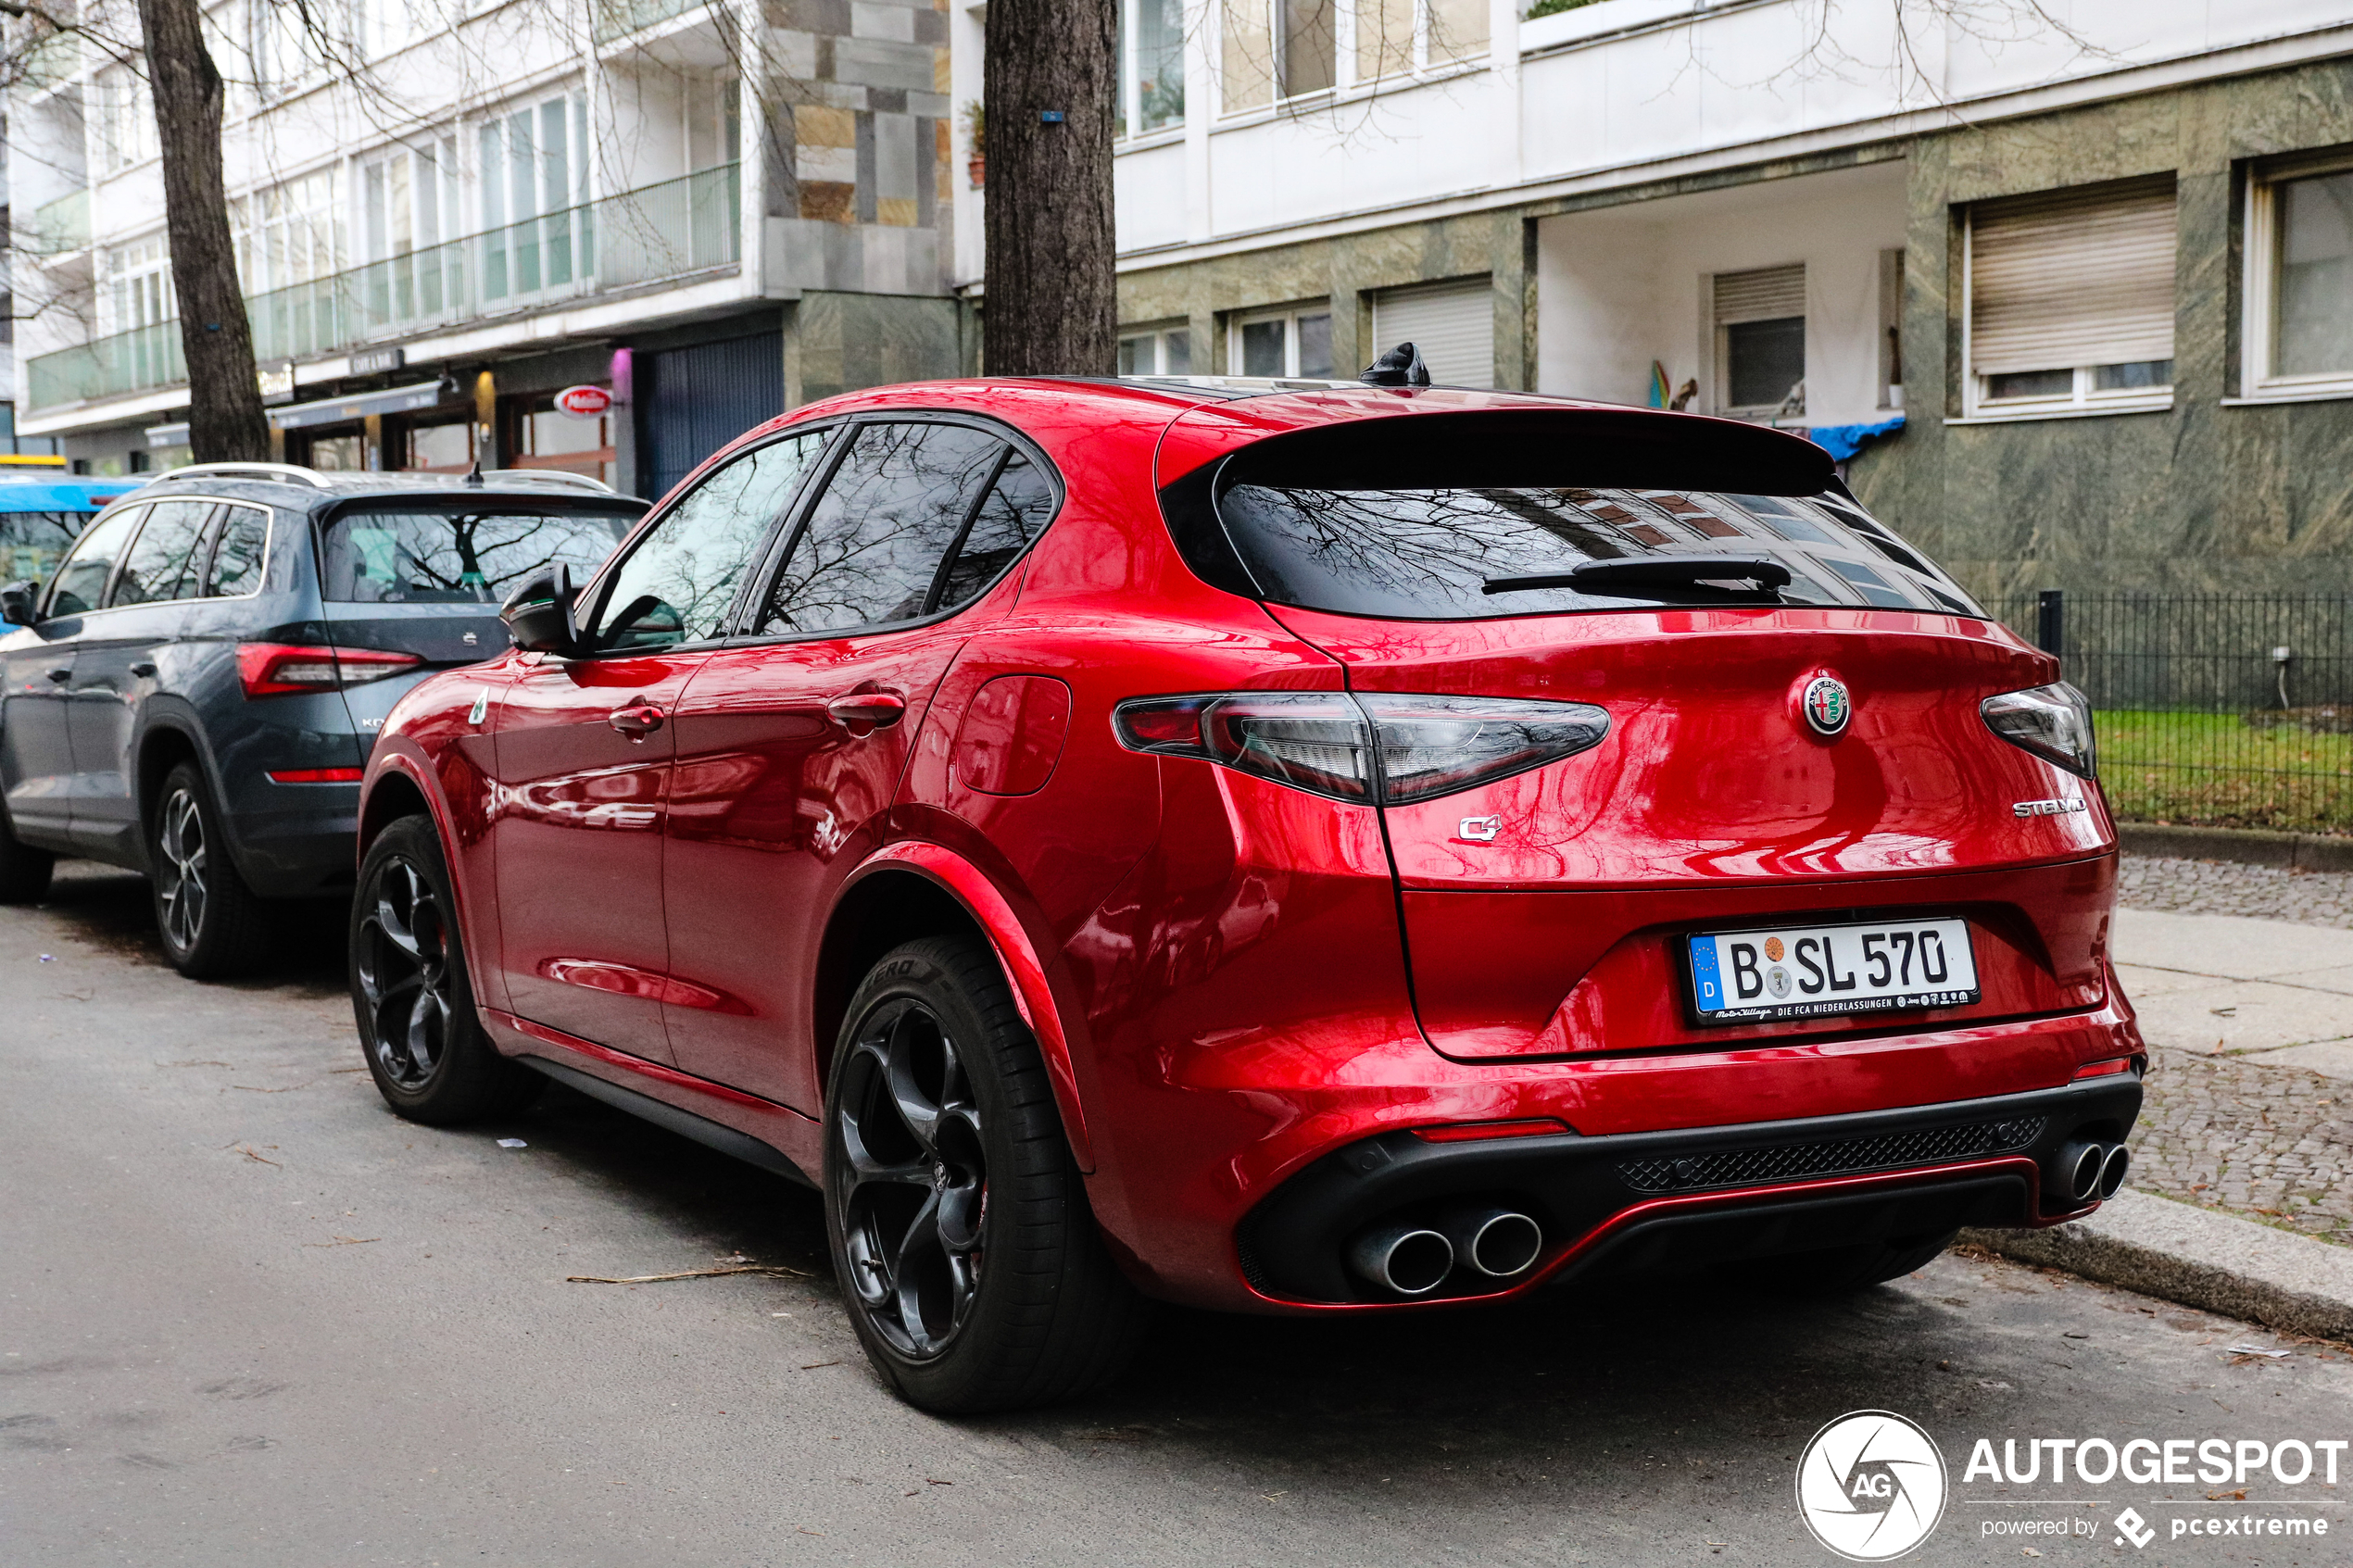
192 691
41 512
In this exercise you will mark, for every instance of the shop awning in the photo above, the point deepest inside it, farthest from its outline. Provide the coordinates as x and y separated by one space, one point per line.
334 410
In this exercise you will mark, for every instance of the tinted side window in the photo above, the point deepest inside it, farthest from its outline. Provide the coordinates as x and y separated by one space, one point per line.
1016 510
874 539
458 555
163 564
81 582
677 584
240 554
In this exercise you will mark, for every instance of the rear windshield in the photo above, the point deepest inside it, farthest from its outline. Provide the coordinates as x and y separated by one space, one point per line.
458 554
1429 554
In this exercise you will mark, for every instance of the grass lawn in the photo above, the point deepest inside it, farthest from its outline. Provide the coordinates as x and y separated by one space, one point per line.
2215 770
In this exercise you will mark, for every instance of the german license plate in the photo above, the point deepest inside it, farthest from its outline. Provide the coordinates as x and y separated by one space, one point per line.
1821 971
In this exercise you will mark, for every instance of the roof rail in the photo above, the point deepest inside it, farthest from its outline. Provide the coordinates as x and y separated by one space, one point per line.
546 476
282 472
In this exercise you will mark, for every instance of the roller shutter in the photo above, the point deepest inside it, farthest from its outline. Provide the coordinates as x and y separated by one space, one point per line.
2066 278
1452 324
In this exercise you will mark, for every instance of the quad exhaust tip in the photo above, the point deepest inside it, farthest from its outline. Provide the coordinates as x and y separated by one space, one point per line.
2114 1169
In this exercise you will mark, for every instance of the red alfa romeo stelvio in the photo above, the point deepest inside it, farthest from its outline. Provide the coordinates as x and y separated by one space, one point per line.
1275 846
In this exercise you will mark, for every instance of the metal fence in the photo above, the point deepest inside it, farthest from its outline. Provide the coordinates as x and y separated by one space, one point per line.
2226 710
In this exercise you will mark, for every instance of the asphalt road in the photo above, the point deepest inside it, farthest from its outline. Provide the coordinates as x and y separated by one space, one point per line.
248 1317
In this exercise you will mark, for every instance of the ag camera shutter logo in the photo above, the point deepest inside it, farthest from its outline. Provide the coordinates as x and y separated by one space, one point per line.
1871 1486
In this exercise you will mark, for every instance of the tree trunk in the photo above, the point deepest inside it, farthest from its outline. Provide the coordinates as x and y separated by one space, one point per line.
1051 307
225 420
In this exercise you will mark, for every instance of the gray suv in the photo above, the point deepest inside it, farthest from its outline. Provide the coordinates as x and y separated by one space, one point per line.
194 692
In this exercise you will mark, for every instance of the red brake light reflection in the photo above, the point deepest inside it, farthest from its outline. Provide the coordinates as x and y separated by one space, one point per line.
1466 1132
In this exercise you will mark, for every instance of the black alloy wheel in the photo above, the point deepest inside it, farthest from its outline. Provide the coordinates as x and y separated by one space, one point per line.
211 923
418 1034
400 973
959 1222
911 1179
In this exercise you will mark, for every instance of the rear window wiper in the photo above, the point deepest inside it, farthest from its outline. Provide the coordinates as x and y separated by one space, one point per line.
1637 572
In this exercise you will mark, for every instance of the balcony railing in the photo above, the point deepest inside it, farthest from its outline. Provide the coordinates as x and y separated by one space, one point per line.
666 231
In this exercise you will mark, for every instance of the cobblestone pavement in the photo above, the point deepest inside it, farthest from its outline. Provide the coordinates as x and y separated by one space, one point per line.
2225 888
2271 1143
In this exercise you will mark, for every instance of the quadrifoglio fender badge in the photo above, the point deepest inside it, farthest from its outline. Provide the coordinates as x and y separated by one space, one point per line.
2047 807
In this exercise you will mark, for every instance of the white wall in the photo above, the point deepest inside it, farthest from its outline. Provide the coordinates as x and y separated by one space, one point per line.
1622 286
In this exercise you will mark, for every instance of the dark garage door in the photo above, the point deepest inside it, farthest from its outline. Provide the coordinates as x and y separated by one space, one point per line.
693 401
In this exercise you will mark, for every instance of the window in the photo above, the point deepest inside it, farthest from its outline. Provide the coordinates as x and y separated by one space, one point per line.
2299 292
240 554
139 286
535 179
81 585
292 233
680 581
1289 343
541 435
2070 302
459 555
408 210
1451 324
1013 513
1275 49
1429 554
1151 65
447 446
30 543
879 535
162 565
1396 37
1165 351
1760 342
126 118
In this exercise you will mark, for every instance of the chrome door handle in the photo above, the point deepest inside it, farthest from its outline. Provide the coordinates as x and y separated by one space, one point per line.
860 712
636 722
62 676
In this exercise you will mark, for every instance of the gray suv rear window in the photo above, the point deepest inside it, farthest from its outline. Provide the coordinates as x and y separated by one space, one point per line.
415 554
1427 553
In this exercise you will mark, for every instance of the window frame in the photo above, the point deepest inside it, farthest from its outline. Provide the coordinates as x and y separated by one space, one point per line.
199 562
822 473
589 605
1129 107
1289 316
106 589
2259 322
1157 334
2082 399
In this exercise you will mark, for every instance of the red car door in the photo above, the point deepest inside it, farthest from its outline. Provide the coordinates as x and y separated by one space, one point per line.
791 750
584 755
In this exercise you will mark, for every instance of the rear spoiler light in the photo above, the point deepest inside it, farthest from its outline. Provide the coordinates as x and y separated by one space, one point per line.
279 668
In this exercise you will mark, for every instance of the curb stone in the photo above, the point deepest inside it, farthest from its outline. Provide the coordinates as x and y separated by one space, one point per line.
2202 1259
2255 847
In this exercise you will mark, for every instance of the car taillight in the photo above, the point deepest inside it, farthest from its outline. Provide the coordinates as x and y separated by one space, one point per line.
276 669
317 775
1371 746
2054 722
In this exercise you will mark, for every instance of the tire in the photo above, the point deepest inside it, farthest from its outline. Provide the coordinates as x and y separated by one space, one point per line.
212 925
24 871
1841 1270
967 1255
418 1034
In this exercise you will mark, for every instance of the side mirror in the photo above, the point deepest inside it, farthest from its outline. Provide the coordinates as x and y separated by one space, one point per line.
16 603
538 615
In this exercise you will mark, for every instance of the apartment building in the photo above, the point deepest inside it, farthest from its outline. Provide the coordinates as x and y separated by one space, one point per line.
449 211
2069 288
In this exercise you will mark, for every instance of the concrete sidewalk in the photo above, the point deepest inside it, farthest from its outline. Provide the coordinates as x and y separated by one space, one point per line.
2272 992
